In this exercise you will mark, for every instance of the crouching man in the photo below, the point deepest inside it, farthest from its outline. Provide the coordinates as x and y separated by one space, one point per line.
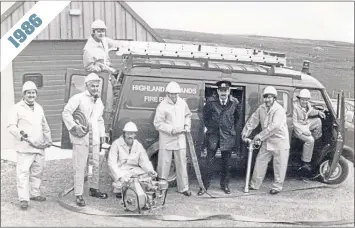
127 157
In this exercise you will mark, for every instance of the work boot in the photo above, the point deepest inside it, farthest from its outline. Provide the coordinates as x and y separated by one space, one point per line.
274 192
226 190
186 193
80 201
201 192
24 204
306 166
96 193
38 198
119 195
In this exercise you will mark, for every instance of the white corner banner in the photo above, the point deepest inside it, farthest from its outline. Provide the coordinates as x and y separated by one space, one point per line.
28 27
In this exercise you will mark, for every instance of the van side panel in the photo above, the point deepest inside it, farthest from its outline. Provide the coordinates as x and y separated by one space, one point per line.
140 97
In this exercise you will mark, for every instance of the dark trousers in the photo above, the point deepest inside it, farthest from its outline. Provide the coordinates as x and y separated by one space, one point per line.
209 166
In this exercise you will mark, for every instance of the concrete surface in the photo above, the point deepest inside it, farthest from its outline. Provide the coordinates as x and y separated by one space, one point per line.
316 205
52 153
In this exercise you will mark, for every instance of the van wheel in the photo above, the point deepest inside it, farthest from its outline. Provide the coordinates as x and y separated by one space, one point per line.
172 174
340 173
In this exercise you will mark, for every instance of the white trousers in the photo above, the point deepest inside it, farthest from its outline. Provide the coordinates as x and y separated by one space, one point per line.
280 162
29 170
164 163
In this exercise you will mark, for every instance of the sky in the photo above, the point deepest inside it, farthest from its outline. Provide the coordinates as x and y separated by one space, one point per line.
305 20
308 20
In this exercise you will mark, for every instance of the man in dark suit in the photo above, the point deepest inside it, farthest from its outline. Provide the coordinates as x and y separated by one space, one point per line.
220 115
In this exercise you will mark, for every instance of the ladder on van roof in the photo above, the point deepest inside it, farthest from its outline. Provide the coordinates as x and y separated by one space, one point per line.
197 51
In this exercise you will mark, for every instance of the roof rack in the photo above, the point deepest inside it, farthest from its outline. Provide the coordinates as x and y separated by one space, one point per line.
197 51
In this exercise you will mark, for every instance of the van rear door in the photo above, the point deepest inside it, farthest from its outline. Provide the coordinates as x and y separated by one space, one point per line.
74 84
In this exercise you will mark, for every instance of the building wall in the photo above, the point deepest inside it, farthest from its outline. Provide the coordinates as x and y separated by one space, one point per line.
51 59
121 21
7 100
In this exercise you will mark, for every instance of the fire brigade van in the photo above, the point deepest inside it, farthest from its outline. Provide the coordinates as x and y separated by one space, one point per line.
148 67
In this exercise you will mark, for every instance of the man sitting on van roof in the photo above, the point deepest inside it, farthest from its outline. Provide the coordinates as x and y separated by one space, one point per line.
127 157
306 129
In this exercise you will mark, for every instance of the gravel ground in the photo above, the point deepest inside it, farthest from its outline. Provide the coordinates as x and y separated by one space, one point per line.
315 205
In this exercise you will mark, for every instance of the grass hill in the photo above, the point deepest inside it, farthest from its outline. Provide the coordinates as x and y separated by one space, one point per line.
332 62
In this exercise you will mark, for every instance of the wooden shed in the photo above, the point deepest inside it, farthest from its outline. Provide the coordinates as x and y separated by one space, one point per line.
60 45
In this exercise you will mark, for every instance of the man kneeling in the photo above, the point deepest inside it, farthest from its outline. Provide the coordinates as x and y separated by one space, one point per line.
127 157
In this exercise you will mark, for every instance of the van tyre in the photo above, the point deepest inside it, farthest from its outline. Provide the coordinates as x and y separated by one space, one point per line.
339 175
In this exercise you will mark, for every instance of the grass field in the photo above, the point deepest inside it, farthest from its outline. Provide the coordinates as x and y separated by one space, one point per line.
332 62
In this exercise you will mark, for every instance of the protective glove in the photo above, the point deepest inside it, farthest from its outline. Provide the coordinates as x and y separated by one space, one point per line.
257 139
321 114
153 174
78 130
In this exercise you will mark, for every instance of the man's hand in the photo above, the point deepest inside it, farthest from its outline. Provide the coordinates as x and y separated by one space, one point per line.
244 136
103 140
187 129
124 179
177 131
321 114
79 130
307 133
153 174
257 139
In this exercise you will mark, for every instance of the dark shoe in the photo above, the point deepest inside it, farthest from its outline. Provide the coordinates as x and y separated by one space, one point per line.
80 201
38 198
96 193
24 205
201 192
251 188
119 195
306 166
226 190
274 192
186 193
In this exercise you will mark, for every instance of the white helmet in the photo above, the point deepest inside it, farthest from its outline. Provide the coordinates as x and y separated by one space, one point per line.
130 126
173 87
270 90
92 77
28 86
304 93
98 24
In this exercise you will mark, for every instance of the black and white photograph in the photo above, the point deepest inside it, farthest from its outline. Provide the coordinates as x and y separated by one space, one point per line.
177 113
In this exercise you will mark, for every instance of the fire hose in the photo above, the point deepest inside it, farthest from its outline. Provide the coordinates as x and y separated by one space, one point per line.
212 216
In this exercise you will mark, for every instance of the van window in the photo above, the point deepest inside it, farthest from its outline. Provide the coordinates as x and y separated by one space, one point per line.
282 99
77 84
148 94
316 98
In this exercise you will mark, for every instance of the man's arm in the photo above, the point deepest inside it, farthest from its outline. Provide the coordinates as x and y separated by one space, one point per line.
159 121
101 122
46 131
206 113
252 123
112 43
90 62
68 111
188 115
112 162
278 119
12 123
144 161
